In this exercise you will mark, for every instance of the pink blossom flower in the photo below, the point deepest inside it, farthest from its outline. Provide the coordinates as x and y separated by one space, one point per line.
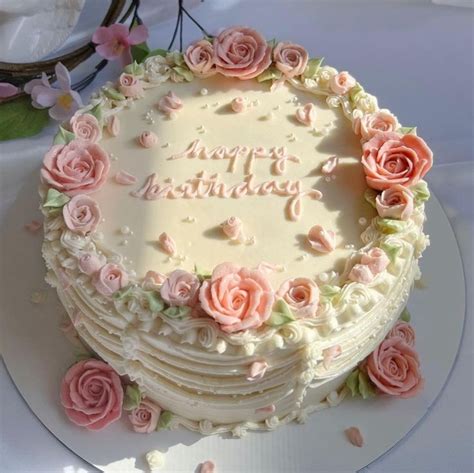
7 90
91 394
114 41
180 288
81 214
145 417
237 298
62 102
110 279
301 294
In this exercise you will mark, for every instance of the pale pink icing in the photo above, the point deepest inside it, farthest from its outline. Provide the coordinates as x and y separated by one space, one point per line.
124 178
395 202
180 288
207 467
199 57
241 52
321 240
301 294
237 298
232 228
153 280
257 370
361 273
130 86
330 354
167 244
391 158
170 103
306 114
376 259
354 436
266 410
110 279
91 394
78 167
238 105
148 139
81 214
290 58
270 267
371 123
341 83
145 417
330 165
86 127
113 125
33 226
404 331
90 263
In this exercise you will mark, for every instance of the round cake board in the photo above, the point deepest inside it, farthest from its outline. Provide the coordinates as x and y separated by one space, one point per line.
37 354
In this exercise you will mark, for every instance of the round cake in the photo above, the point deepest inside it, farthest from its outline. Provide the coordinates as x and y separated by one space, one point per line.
234 229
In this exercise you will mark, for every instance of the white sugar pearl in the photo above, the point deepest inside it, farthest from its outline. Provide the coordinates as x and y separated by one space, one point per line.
204 91
125 230
362 220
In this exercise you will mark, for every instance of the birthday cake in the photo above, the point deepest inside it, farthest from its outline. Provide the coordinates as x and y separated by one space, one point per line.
234 230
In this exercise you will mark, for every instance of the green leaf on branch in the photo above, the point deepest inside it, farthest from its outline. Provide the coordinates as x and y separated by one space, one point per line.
281 314
312 68
132 397
19 119
63 137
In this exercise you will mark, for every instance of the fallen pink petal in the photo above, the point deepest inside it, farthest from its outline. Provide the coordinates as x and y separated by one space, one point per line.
354 436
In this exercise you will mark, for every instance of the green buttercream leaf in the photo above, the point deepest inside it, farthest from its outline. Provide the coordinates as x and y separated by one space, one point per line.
405 315
366 388
165 420
328 291
201 274
407 130
354 92
155 302
19 119
112 93
157 52
184 72
312 68
421 192
391 250
139 52
281 314
132 397
388 225
352 382
272 73
177 58
123 293
63 137
135 69
177 312
370 195
55 199
272 43
96 111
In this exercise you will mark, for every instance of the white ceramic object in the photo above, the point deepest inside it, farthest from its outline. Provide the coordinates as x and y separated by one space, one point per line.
37 354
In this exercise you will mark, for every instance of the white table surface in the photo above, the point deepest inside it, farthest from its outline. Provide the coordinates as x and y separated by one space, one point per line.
418 59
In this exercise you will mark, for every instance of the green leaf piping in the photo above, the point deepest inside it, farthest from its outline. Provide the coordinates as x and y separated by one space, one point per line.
96 111
272 73
165 420
201 274
281 314
328 291
421 192
405 315
63 137
132 398
55 199
407 130
139 52
352 382
389 226
312 68
135 69
184 72
391 250
177 312
112 93
366 388
156 52
370 196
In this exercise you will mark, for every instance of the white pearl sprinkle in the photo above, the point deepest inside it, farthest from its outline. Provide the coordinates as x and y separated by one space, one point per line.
204 91
323 277
103 220
125 230
124 242
327 179
349 247
362 221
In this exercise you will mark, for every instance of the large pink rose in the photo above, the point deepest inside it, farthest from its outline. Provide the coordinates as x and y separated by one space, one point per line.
404 331
110 279
86 127
180 288
291 59
301 294
199 57
237 298
81 214
241 52
394 367
145 417
76 168
372 123
395 202
391 158
91 394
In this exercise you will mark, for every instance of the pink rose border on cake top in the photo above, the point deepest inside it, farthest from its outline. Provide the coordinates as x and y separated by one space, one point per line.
394 159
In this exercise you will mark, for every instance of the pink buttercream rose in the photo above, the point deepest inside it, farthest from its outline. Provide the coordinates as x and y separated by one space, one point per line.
361 273
237 298
170 104
180 288
391 158
341 83
91 394
395 202
306 114
145 417
75 168
239 104
130 86
291 59
113 125
153 281
376 259
394 367
199 57
110 279
301 294
241 52
404 331
90 263
86 127
148 139
81 214
232 228
321 240
372 123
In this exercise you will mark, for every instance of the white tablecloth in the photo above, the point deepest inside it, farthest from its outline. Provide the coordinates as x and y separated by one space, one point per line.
417 58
